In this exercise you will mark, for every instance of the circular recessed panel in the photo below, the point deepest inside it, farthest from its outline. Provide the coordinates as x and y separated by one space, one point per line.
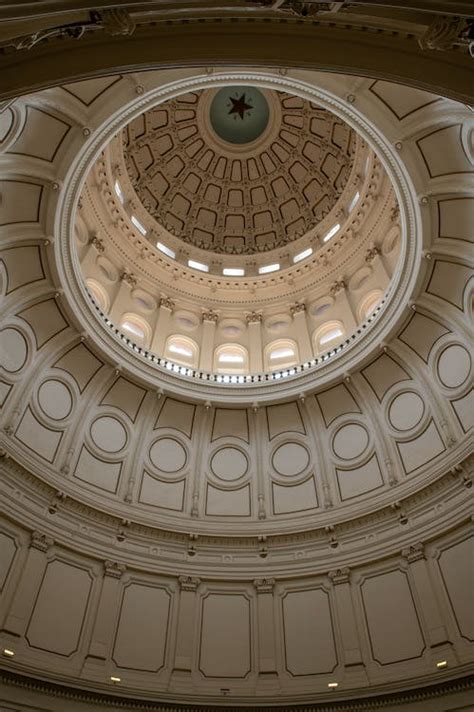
55 399
229 464
406 411
350 441
290 459
168 455
454 365
107 269
108 434
14 350
239 114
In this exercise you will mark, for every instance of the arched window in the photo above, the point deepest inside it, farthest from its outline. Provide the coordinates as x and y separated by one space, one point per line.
328 336
136 329
281 354
369 303
182 350
231 358
99 294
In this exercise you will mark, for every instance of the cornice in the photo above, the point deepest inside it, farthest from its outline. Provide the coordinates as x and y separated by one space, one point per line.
378 700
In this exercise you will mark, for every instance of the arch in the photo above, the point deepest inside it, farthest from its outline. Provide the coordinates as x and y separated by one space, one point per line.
136 329
369 303
328 335
182 350
282 353
99 294
231 358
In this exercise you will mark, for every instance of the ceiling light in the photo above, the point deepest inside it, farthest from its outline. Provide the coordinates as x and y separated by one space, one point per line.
118 191
333 684
231 358
441 664
354 201
330 335
166 250
331 232
180 350
9 653
281 353
303 255
115 679
198 265
233 272
269 268
138 225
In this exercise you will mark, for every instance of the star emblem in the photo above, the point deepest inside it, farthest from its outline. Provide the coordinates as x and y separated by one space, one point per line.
239 106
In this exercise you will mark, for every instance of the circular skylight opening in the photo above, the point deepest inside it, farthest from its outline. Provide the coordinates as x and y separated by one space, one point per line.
239 114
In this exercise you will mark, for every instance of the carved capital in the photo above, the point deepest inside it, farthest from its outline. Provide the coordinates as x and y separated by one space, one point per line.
167 303
336 287
40 541
264 585
446 31
211 316
299 308
117 21
338 576
414 553
188 583
98 243
253 318
129 279
114 569
371 254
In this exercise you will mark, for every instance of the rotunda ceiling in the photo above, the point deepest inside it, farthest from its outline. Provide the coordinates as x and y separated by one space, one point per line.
239 170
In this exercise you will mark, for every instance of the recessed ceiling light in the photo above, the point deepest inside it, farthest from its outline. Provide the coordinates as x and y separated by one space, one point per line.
233 272
166 250
269 268
9 653
331 232
333 684
442 664
303 255
115 679
198 265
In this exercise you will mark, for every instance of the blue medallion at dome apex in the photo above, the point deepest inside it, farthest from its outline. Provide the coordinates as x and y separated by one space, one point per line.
239 114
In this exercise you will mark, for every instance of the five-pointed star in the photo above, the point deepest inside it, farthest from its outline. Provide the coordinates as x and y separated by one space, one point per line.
239 106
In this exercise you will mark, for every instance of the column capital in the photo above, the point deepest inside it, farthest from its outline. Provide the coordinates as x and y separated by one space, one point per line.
188 583
298 308
167 303
414 552
253 318
338 576
264 585
114 569
210 315
40 541
371 254
97 242
129 279
336 287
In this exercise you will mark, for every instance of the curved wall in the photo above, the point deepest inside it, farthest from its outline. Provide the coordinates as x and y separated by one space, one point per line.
232 553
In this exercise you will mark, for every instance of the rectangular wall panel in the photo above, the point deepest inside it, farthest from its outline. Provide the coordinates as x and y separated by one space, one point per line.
225 636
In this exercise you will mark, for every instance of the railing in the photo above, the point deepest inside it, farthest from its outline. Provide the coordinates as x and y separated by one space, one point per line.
233 379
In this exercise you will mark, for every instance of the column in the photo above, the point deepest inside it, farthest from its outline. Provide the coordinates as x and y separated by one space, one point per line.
430 612
183 661
298 312
206 354
162 327
267 667
121 301
93 249
351 652
28 585
372 256
343 305
105 618
254 325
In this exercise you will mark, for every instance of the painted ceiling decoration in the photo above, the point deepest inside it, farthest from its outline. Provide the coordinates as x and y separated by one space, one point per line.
235 464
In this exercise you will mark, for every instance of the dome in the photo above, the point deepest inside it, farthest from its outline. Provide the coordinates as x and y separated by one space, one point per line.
236 453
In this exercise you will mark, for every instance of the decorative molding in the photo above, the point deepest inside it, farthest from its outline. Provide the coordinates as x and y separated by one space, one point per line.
98 243
114 569
189 583
338 576
129 279
40 541
167 303
264 585
298 308
414 553
211 316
